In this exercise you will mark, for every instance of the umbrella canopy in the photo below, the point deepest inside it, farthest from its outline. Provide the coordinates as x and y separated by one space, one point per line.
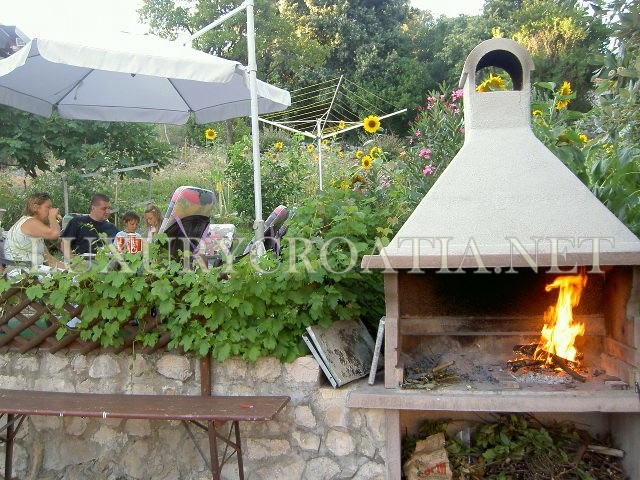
130 78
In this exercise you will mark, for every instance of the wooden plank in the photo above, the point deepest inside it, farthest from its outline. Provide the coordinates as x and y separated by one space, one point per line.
151 407
499 325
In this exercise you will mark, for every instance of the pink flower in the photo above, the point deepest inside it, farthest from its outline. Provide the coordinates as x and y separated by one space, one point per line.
428 169
456 94
425 153
417 133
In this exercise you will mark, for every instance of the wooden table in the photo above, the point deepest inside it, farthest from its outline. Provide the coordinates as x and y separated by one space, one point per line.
207 412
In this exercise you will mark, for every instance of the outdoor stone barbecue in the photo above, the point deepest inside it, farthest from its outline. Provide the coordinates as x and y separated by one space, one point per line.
466 281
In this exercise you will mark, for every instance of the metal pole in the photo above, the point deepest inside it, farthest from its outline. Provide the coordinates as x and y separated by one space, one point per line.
252 68
319 136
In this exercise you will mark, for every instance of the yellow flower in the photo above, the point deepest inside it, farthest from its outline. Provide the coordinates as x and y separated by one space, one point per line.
491 84
310 148
584 138
537 113
210 134
565 89
371 124
366 162
359 154
278 145
608 149
344 185
341 125
375 152
325 142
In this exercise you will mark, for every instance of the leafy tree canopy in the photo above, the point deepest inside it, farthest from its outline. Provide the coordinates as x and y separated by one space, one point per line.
30 142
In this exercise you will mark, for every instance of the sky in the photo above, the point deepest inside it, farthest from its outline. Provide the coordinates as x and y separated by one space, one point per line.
450 8
72 17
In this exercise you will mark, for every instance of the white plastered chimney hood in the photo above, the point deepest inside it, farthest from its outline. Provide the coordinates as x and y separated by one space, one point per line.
505 200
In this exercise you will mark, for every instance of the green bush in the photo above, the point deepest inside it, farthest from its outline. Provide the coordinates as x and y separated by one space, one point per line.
251 308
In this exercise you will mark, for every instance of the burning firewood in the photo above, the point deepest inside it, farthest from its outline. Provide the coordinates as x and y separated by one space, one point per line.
564 365
515 365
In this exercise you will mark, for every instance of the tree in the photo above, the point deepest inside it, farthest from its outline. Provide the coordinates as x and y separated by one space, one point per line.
30 142
561 36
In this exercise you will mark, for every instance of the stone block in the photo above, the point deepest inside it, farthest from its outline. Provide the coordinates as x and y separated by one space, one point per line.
79 364
104 366
55 384
370 471
51 364
75 425
340 443
177 367
321 468
307 440
267 369
304 417
11 382
24 364
135 461
257 449
290 469
303 370
138 428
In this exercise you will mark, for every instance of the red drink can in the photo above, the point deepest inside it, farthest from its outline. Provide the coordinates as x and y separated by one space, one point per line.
135 243
120 242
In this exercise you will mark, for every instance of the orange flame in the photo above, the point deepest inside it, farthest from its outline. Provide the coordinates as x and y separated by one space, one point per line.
560 331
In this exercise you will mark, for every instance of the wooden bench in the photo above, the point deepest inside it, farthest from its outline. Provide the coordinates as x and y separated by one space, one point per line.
207 412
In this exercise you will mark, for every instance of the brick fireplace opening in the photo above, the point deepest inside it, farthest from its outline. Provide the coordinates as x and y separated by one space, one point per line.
466 280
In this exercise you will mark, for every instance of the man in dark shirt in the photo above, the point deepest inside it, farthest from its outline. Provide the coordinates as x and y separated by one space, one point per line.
82 234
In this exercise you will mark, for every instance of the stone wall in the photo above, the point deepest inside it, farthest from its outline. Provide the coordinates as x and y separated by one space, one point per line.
315 437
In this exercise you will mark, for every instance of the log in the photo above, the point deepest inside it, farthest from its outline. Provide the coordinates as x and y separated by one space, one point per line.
611 452
564 365
515 365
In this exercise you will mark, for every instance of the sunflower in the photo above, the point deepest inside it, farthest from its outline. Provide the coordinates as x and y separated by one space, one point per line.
494 82
341 125
537 113
359 154
371 124
310 148
375 152
278 145
583 138
366 162
565 89
210 134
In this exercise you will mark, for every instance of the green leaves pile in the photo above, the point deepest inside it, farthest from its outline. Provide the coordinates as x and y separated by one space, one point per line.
518 446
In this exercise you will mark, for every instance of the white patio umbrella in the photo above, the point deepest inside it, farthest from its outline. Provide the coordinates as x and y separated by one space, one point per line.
130 78
134 78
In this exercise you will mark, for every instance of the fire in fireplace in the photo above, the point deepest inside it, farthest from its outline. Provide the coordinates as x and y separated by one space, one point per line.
560 330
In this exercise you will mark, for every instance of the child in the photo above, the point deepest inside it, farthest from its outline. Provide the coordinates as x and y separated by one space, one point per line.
153 219
128 239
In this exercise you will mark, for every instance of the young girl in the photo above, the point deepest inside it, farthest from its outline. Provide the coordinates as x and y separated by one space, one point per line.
153 219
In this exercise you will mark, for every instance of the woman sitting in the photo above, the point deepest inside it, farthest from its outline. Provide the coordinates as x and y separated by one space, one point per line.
153 219
25 239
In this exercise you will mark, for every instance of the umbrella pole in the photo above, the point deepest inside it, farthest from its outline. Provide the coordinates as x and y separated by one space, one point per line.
252 68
